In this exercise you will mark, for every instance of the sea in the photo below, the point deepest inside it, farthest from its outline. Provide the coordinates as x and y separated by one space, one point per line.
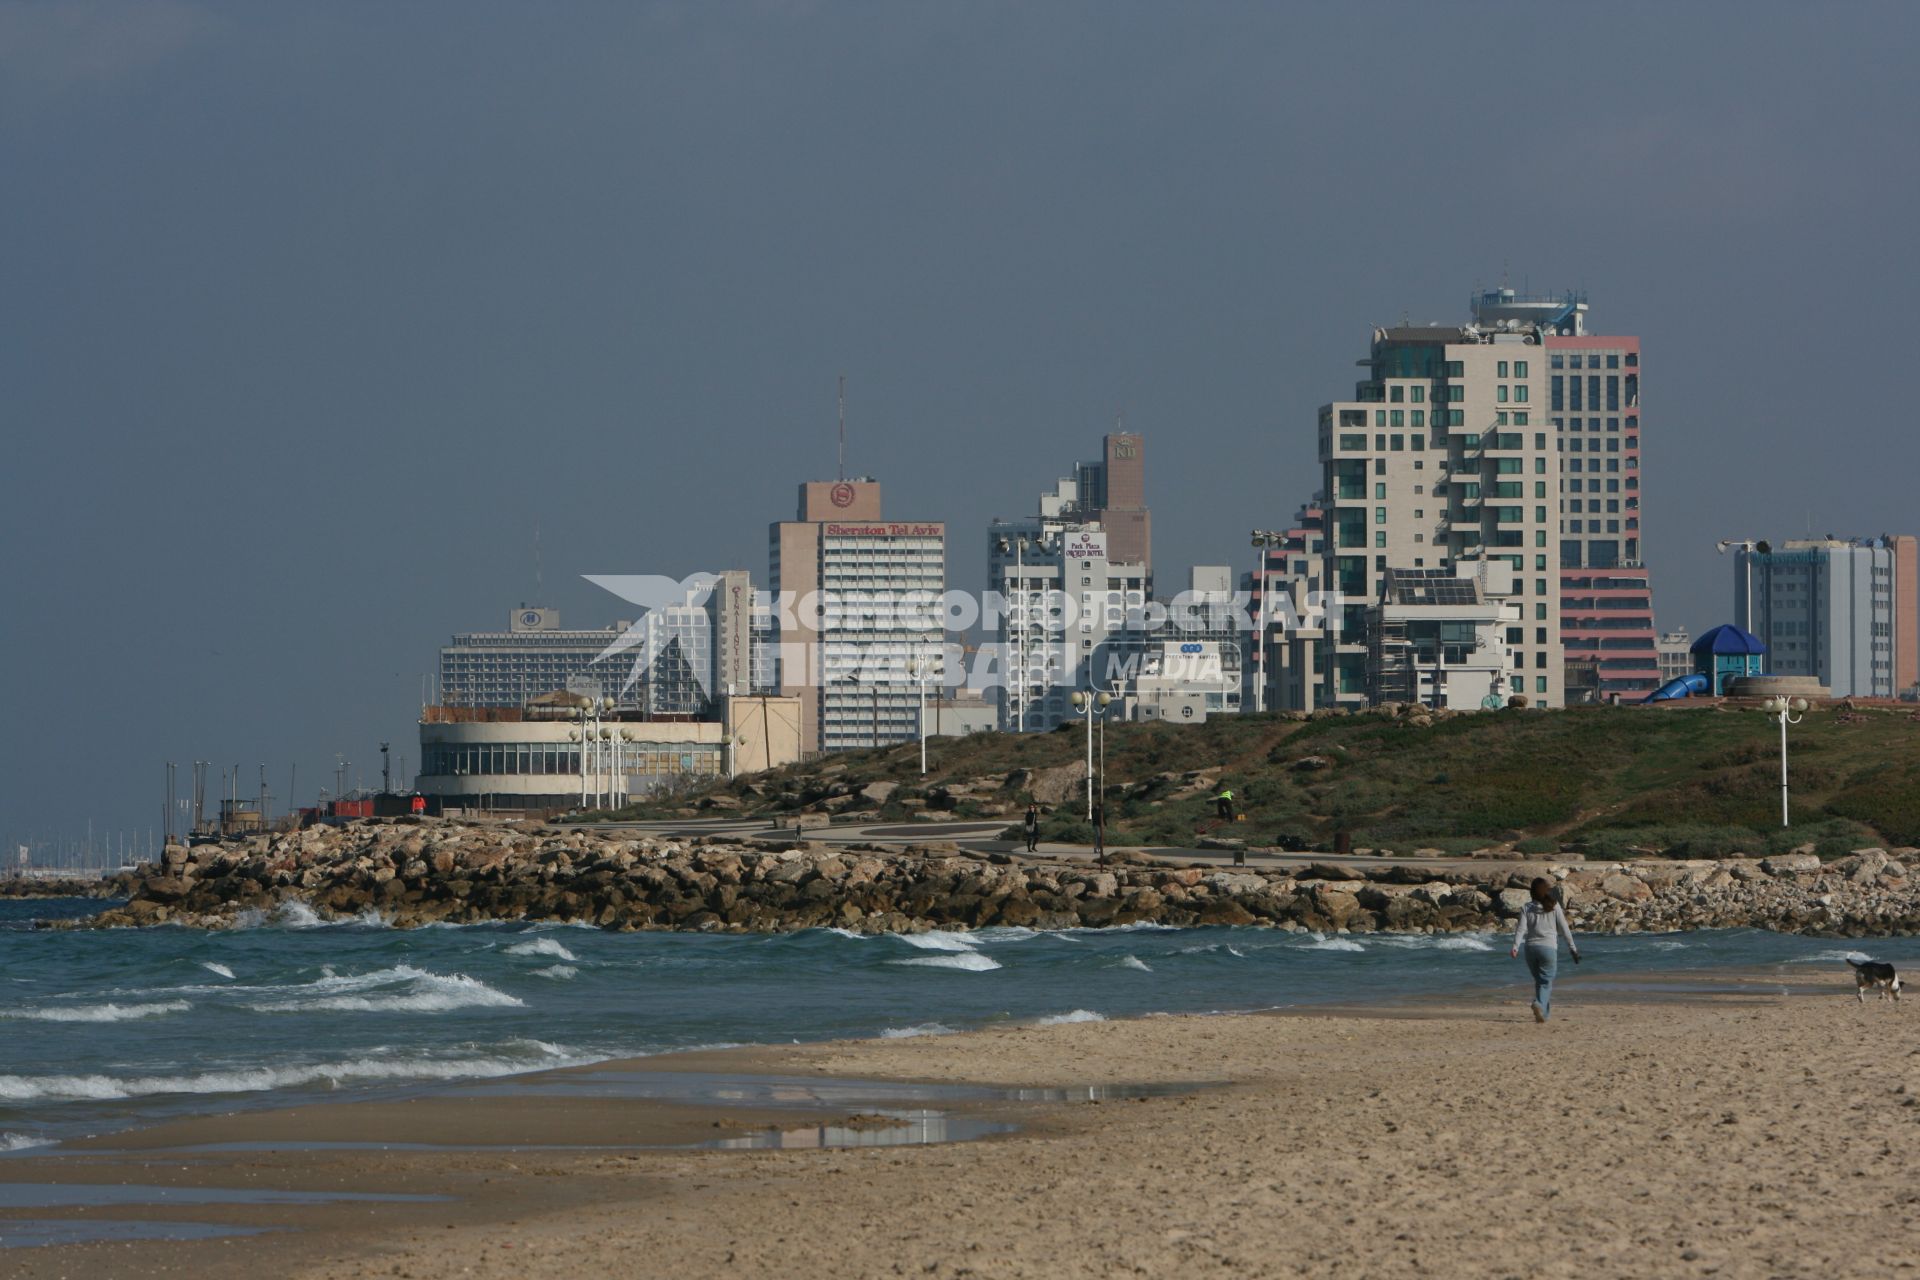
101 1031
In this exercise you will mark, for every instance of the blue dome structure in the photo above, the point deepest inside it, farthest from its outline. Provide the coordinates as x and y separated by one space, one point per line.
1728 639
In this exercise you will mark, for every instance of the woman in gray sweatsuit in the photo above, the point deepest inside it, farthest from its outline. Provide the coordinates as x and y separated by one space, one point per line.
1538 932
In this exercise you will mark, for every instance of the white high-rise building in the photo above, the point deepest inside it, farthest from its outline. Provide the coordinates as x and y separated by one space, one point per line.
1062 599
1443 457
858 602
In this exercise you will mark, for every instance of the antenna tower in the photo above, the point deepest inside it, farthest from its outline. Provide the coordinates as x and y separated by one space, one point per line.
841 473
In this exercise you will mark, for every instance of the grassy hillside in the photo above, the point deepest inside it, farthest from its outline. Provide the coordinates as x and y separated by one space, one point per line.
1608 781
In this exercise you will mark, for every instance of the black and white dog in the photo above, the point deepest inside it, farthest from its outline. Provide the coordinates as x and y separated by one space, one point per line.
1868 974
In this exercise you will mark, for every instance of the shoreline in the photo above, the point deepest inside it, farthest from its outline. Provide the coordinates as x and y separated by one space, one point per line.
1291 1087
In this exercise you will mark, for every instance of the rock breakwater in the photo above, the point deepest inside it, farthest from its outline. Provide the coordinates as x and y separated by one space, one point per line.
419 871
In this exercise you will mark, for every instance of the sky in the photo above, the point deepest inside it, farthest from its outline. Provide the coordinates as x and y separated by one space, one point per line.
327 331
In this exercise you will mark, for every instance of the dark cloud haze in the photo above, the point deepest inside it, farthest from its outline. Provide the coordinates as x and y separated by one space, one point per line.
310 313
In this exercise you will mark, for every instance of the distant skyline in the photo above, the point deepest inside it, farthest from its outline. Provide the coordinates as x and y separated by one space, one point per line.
315 312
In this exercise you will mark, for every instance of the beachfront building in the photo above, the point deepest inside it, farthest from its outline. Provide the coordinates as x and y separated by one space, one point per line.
532 656
1445 455
1839 610
859 618
563 751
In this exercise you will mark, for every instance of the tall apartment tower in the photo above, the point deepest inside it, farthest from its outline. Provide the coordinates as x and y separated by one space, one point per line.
1444 456
1113 495
858 602
1593 405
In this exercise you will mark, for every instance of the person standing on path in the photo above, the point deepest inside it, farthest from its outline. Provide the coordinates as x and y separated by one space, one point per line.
1033 828
1538 932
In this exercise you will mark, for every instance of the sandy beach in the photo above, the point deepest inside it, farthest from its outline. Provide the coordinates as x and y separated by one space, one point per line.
1768 1129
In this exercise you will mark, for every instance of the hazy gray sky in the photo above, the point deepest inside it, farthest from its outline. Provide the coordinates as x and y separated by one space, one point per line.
309 313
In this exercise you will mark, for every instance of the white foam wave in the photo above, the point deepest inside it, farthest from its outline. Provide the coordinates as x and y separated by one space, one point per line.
971 961
937 940
296 915
214 966
1830 957
541 947
1321 942
415 991
1003 933
1133 962
258 1079
923 1029
556 971
22 1142
1063 1019
98 1012
1434 941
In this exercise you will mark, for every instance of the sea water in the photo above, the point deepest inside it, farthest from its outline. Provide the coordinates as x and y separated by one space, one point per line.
103 1030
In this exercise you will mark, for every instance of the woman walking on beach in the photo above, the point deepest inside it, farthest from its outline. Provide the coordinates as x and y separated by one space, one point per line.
1541 926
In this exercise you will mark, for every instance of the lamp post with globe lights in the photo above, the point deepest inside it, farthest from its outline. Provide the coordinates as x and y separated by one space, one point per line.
1087 704
1787 711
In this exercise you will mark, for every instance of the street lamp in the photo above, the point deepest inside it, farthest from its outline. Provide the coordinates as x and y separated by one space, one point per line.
1087 703
1262 539
1749 546
1787 711
921 669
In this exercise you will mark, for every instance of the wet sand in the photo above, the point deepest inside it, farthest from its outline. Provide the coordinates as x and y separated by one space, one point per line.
1657 1130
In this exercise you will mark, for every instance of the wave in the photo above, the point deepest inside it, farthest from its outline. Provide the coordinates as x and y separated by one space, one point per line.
422 992
922 1029
1435 941
937 940
1063 1019
1321 942
557 971
1133 962
1858 957
971 961
98 1012
295 914
22 1142
1213 948
846 933
541 947
545 1057
1003 933
214 966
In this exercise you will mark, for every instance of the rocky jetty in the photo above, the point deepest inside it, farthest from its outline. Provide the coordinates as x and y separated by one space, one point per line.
34 886
417 871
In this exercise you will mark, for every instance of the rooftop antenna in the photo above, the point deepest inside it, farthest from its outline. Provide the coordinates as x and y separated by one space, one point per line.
539 590
841 474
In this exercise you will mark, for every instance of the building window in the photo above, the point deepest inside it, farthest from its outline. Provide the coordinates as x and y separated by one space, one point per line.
1519 368
1555 362
1540 683
1396 394
1419 395
1379 417
1419 418
1500 393
1520 395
